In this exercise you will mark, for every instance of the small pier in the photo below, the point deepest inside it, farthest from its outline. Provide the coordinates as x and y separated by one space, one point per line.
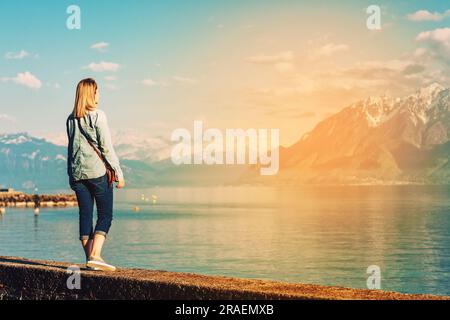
17 199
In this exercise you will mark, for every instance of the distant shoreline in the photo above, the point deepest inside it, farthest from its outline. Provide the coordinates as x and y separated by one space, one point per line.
19 199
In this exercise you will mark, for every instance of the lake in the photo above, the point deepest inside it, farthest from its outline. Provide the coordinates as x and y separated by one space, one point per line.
320 235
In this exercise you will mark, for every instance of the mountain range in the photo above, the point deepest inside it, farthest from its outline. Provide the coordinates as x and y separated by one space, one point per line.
378 140
31 163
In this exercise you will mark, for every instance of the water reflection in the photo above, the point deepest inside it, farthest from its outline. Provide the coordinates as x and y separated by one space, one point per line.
36 227
325 235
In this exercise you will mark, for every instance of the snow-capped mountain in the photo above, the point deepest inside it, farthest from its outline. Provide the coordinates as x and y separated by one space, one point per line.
378 110
129 144
376 140
133 145
27 162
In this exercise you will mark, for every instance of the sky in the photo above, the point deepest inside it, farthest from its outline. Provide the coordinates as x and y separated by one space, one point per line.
161 65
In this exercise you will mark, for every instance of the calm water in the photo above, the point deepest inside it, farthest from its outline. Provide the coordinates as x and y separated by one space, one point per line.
326 235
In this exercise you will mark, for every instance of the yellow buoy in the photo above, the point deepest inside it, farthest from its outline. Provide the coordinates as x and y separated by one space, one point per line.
136 209
36 211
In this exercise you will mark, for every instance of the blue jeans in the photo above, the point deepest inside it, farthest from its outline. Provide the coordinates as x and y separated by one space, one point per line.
87 191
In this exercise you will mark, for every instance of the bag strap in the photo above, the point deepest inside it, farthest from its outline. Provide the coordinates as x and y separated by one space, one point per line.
92 144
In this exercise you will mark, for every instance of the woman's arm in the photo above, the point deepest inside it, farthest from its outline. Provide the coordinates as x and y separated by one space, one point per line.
69 147
105 144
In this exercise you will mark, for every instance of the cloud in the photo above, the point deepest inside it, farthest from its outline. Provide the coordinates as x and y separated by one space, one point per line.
322 83
7 117
425 15
396 76
439 41
413 69
282 61
291 113
376 68
149 82
380 75
100 46
282 57
110 78
337 86
440 35
103 66
320 49
330 49
17 55
26 79
22 54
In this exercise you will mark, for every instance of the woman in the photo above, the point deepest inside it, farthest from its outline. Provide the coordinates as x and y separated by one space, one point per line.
90 158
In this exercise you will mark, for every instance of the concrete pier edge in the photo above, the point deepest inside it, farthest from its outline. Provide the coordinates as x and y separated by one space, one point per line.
43 280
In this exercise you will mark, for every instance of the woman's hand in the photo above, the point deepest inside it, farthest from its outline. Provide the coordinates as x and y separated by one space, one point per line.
120 184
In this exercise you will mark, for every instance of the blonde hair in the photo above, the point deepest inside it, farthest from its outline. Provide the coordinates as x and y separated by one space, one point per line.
85 97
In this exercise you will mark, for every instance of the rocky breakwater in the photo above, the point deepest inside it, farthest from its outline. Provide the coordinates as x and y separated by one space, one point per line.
22 200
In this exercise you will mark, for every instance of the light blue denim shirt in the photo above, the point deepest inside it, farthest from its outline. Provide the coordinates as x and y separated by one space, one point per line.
82 160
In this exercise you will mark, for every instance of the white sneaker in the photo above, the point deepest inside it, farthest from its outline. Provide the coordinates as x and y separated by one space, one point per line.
91 268
99 264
